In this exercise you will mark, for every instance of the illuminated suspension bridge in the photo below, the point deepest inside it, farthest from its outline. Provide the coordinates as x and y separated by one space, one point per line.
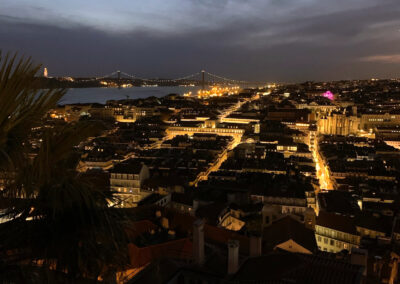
202 78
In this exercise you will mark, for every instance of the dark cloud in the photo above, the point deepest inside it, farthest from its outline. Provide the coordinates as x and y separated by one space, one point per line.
306 44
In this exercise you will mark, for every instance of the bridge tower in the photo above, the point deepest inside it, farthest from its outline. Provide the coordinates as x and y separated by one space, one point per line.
202 80
119 78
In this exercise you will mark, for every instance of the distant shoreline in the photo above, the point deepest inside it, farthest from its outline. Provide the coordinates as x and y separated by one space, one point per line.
72 83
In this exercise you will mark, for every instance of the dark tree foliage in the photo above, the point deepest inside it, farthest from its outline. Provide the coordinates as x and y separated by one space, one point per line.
59 227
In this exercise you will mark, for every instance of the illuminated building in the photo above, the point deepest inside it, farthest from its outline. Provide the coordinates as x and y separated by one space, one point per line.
316 106
126 180
124 113
181 130
45 72
96 159
369 121
335 233
338 124
240 119
216 92
394 143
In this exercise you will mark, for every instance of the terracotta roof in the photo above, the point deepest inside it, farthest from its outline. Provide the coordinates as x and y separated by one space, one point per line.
157 273
286 229
177 249
297 268
213 234
140 227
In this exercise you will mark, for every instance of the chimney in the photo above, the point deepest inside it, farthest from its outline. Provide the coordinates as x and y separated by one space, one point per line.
198 241
268 214
233 256
196 205
255 246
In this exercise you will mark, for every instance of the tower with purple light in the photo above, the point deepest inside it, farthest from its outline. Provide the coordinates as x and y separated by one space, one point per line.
329 95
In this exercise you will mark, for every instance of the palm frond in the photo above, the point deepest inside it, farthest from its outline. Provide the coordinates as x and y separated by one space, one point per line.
58 216
22 105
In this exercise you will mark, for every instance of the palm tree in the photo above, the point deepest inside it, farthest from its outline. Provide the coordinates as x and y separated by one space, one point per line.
22 105
60 227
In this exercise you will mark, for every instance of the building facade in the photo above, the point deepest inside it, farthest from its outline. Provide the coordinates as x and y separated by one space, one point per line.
335 233
126 180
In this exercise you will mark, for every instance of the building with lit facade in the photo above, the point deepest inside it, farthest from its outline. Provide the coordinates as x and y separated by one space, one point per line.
126 181
372 120
316 107
335 233
182 130
240 119
338 124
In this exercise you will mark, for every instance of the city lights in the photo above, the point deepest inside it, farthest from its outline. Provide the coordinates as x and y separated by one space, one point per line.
218 91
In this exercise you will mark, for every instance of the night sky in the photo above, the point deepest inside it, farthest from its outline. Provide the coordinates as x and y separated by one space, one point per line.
272 40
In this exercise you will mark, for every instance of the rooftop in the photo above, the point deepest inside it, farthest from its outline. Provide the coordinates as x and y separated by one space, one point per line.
337 222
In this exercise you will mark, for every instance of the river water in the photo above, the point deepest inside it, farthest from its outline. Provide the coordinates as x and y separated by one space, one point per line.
101 95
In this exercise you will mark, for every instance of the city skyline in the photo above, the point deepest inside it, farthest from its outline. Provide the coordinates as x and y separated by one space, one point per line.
200 141
282 41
